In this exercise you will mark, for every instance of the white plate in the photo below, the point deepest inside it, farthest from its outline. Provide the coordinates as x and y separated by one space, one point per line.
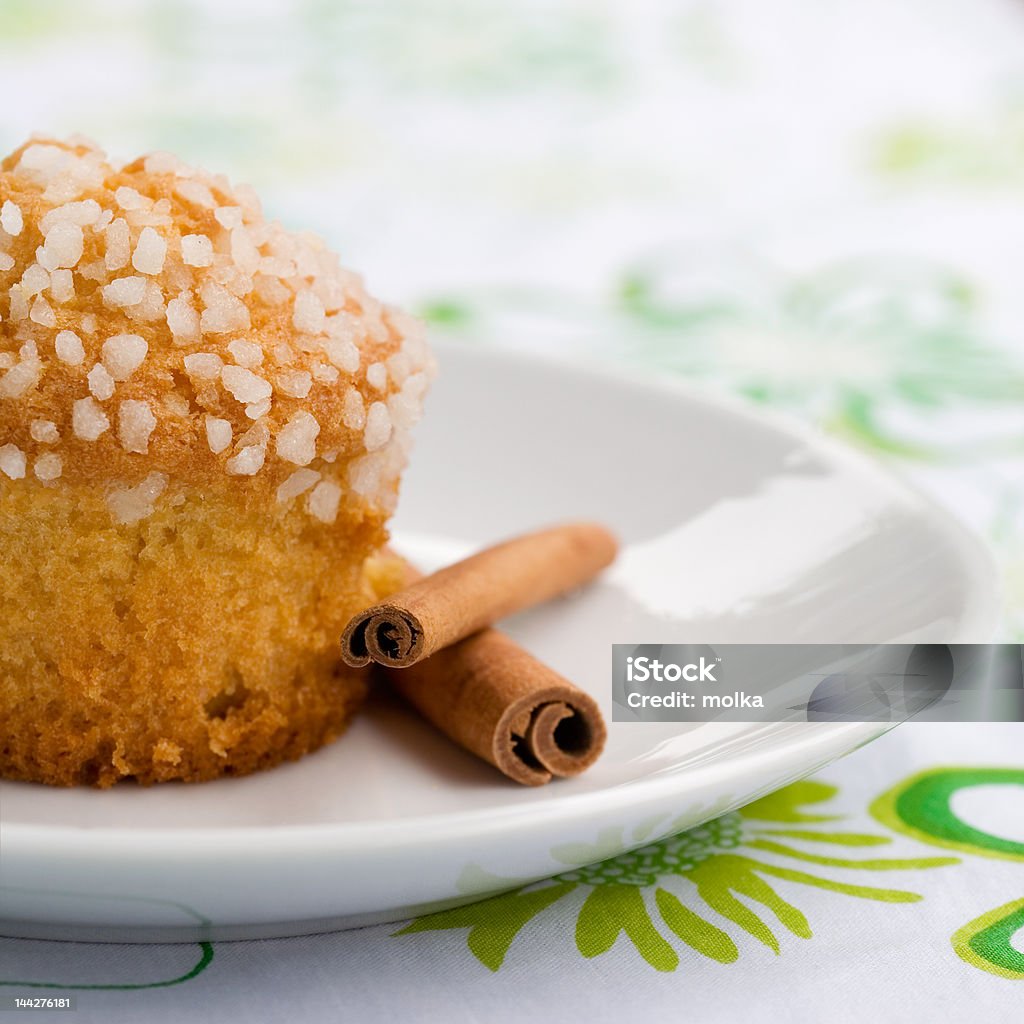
738 529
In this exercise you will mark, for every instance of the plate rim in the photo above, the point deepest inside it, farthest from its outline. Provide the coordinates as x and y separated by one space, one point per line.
834 739
981 615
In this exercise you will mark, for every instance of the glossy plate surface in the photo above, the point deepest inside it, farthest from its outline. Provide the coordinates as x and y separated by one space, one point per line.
737 528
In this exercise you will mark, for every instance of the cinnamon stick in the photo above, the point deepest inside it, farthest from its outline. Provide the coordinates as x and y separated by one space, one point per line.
439 610
499 702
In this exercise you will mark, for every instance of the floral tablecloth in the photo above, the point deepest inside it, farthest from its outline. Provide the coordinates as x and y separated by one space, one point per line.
819 206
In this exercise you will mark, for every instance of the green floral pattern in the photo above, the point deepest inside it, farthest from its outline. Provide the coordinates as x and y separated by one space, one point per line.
987 941
852 345
38 981
922 807
977 153
165 972
689 886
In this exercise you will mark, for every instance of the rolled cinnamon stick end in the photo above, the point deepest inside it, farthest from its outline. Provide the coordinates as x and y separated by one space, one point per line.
499 702
438 610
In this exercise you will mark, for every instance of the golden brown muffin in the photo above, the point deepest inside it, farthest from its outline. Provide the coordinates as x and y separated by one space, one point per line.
203 420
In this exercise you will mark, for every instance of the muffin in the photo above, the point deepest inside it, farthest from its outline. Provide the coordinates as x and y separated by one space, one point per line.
203 421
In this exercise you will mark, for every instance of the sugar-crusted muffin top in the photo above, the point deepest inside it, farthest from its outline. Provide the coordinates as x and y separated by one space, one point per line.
155 328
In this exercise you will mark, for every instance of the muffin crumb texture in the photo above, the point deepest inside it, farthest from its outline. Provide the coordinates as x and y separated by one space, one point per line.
203 422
